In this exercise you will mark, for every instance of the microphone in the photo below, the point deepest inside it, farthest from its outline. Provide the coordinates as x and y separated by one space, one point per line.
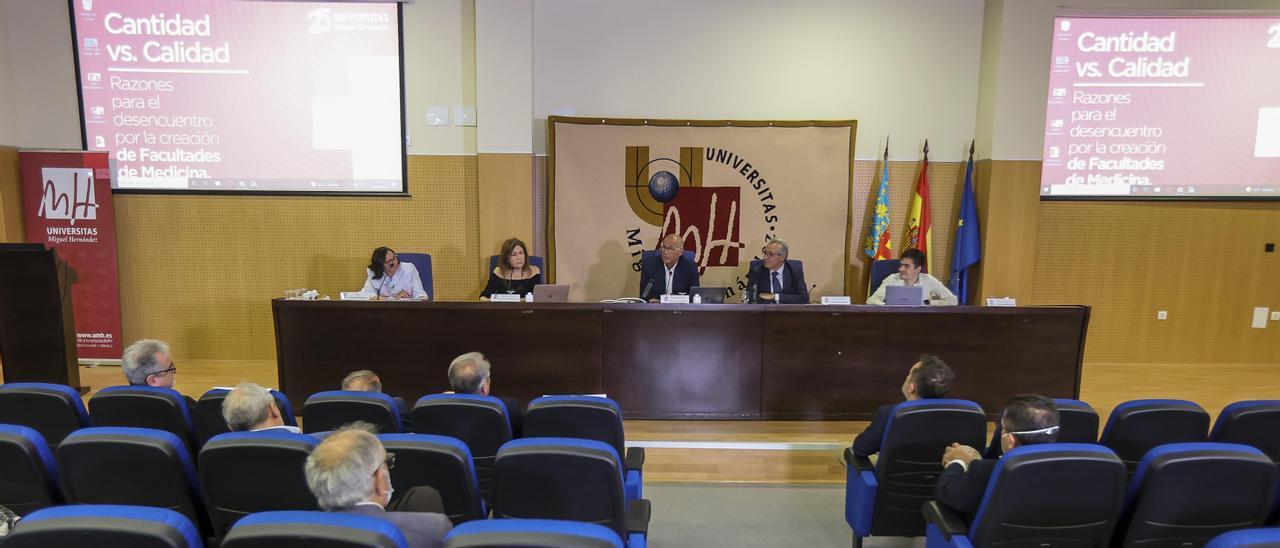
750 294
811 288
645 294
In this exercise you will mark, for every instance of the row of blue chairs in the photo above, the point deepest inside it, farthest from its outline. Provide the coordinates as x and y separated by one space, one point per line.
242 473
885 499
482 422
106 526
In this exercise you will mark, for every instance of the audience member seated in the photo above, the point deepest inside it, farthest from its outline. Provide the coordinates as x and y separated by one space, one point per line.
147 363
469 374
928 378
1027 419
513 275
251 408
365 380
388 278
909 274
349 472
776 279
674 274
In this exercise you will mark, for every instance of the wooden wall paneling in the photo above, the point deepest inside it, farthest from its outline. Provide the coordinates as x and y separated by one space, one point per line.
12 228
1008 200
506 201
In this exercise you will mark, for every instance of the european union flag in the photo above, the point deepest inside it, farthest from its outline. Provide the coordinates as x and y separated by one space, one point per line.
968 246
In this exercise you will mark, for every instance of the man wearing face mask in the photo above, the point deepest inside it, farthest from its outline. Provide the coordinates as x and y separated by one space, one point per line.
350 472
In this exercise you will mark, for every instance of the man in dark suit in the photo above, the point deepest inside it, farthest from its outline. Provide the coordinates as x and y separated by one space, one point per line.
1028 419
350 472
672 275
147 363
928 378
777 280
469 374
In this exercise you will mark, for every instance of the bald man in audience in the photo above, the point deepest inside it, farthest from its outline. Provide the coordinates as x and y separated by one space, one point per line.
251 408
350 472
470 374
365 380
148 363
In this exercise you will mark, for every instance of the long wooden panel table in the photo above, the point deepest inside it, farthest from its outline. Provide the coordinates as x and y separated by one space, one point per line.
686 361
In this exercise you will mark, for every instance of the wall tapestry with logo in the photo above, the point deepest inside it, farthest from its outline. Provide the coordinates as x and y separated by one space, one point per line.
66 200
617 186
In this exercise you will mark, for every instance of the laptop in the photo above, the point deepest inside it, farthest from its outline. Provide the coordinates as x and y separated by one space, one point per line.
710 295
547 293
902 295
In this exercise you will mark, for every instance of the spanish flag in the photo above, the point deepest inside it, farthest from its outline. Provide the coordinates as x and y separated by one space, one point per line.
920 223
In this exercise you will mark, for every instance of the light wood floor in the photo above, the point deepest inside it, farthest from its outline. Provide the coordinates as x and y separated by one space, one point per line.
1104 385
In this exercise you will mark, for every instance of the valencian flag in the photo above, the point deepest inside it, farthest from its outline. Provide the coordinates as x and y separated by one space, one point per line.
878 240
968 246
920 222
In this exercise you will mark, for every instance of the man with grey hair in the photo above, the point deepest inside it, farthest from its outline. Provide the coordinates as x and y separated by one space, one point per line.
350 472
364 380
775 279
469 374
251 408
147 363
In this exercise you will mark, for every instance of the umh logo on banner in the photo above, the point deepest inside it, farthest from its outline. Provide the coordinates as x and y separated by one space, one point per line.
67 206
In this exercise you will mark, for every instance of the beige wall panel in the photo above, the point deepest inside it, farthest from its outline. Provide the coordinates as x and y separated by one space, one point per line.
1008 199
12 228
200 271
506 201
1202 262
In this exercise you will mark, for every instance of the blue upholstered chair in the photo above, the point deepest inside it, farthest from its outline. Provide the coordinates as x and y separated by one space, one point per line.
53 410
208 415
880 270
589 418
313 530
422 262
532 533
28 472
325 411
144 407
133 466
570 479
247 472
1255 423
439 462
481 422
1054 494
1184 494
885 499
1138 426
1247 538
104 526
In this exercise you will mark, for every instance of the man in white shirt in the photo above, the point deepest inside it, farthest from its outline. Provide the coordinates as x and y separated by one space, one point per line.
388 278
350 472
250 408
910 274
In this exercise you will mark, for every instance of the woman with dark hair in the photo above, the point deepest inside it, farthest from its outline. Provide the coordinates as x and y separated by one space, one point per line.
513 274
388 278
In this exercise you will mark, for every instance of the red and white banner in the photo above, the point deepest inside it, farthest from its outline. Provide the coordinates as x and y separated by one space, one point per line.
66 200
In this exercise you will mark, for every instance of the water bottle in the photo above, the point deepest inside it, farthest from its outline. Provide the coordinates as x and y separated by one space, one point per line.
528 297
697 298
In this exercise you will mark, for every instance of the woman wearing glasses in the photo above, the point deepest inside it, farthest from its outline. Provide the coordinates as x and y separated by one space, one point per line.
513 274
388 278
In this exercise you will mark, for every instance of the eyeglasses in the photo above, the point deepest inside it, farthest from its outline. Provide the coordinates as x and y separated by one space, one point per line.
768 253
391 460
173 368
390 261
671 249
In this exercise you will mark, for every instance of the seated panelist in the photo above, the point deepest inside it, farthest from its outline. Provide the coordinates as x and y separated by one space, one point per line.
909 274
388 278
777 280
513 274
674 274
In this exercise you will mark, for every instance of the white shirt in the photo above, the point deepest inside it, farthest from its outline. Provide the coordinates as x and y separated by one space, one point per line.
934 291
671 272
285 427
405 279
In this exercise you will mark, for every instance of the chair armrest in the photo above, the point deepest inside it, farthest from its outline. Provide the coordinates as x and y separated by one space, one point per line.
947 521
634 459
638 512
859 462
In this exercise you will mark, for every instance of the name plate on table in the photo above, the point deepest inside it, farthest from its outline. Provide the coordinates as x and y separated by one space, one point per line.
355 296
674 299
504 298
836 299
1002 301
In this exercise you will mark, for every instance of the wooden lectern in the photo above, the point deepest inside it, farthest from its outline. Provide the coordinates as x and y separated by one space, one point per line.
37 326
